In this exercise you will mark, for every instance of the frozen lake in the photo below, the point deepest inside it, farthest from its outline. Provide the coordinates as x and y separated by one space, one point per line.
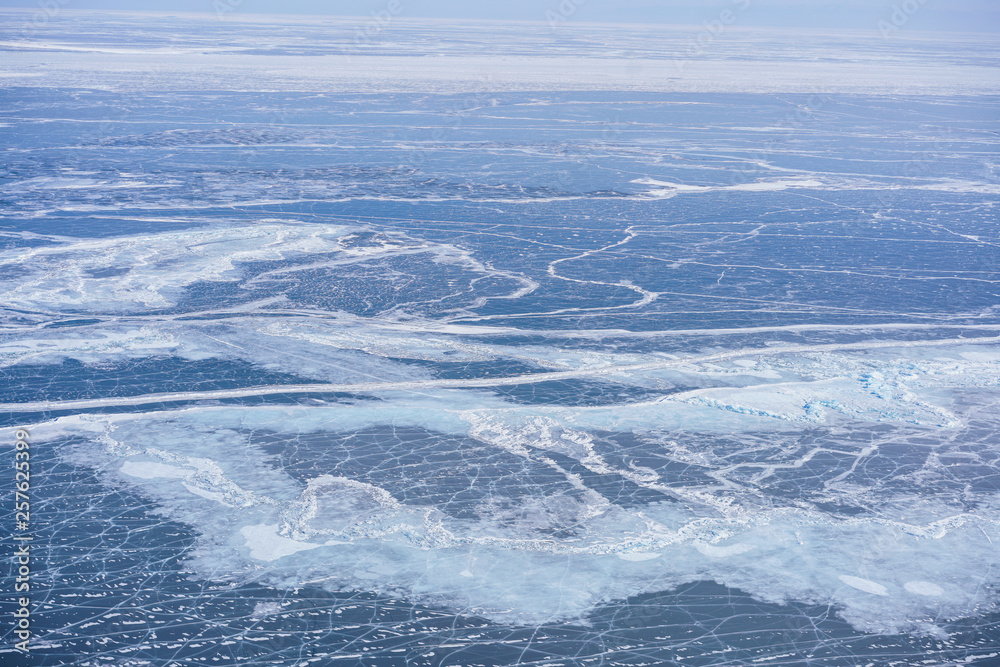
491 344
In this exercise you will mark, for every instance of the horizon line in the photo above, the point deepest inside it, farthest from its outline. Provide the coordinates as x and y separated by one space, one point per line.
255 16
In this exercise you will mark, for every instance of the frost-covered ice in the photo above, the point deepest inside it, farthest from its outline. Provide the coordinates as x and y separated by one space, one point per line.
597 359
319 526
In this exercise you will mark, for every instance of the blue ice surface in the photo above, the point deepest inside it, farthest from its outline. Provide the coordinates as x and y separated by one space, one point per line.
367 241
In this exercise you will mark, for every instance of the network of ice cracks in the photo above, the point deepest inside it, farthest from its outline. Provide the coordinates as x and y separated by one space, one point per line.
901 565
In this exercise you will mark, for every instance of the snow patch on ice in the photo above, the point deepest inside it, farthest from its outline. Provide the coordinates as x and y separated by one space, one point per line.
266 544
923 588
864 585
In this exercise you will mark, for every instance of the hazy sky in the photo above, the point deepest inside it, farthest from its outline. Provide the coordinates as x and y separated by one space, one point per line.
977 15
